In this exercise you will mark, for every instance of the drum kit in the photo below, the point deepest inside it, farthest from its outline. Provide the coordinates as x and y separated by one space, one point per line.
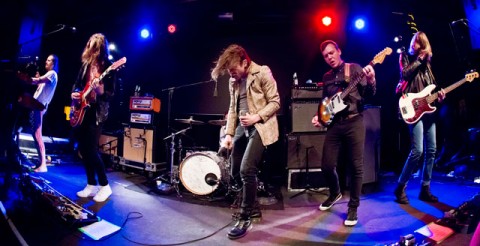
205 173
201 172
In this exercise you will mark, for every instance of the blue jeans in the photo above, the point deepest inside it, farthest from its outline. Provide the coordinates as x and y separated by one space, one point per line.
246 157
422 132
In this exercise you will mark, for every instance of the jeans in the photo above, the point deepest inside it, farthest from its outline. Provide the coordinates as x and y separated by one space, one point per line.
246 157
422 132
348 135
87 135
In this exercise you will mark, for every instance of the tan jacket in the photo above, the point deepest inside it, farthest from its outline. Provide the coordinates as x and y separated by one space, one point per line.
262 98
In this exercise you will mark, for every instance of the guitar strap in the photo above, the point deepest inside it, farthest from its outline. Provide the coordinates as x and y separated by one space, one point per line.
347 72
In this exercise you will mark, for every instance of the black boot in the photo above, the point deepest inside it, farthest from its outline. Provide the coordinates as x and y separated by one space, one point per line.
426 195
400 195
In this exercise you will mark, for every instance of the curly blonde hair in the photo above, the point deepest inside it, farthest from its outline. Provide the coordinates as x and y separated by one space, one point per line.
233 54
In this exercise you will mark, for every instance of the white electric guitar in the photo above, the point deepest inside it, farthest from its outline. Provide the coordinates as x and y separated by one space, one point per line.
330 106
413 106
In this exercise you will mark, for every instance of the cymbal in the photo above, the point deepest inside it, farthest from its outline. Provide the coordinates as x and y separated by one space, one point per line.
217 122
26 100
190 121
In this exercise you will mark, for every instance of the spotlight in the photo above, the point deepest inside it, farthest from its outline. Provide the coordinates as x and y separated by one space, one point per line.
145 33
112 47
400 50
359 24
326 21
172 28
397 39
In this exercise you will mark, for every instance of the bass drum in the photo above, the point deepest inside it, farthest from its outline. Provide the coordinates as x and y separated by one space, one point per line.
202 172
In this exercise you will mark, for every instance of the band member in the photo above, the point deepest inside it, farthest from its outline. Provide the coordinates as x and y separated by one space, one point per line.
347 130
46 85
94 62
251 123
416 71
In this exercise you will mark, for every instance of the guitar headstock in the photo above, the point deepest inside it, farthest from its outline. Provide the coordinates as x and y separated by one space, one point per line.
471 76
378 59
118 64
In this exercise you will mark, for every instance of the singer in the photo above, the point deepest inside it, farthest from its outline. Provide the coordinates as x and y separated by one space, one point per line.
253 90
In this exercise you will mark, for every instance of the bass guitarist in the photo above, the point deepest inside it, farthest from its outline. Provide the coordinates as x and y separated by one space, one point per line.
347 130
94 63
417 73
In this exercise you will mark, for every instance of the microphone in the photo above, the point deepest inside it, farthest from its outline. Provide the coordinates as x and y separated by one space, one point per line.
459 20
70 28
215 92
398 13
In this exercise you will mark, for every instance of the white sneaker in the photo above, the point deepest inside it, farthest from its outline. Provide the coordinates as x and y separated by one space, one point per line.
103 193
88 191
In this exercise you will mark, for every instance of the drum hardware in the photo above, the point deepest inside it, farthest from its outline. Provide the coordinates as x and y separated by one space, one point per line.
173 182
190 121
217 122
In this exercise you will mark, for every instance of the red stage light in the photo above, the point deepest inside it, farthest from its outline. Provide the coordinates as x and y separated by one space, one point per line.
172 28
327 21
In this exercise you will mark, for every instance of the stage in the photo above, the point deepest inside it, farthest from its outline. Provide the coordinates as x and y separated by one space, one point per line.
149 218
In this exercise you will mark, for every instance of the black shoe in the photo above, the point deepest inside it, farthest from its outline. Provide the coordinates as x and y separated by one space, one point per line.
352 217
330 201
400 195
240 229
425 194
255 216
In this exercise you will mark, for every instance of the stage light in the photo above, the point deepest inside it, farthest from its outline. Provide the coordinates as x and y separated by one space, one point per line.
172 28
112 47
400 50
359 24
145 33
110 57
327 21
397 39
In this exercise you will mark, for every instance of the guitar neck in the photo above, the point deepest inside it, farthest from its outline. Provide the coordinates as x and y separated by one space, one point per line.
355 80
451 87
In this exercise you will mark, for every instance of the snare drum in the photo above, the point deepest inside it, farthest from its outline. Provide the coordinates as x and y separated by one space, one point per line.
202 172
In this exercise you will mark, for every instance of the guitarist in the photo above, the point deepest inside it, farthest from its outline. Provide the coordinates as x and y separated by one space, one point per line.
347 130
417 73
94 63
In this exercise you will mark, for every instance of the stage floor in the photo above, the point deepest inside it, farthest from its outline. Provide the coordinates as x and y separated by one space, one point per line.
149 218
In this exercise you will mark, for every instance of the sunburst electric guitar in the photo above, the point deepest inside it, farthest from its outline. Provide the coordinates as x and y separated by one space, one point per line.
78 107
330 106
414 105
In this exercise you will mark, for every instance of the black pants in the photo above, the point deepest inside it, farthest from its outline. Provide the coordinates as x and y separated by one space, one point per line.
87 135
246 157
348 135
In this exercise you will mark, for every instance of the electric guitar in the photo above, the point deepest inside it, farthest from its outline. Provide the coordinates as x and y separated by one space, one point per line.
413 106
78 107
330 106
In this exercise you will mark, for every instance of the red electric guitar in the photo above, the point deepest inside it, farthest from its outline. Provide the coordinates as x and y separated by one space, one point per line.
78 108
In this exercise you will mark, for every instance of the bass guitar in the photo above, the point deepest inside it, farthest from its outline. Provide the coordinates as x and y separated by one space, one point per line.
413 106
330 106
78 107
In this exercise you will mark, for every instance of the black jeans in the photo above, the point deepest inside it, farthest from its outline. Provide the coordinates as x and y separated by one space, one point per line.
246 157
348 135
87 135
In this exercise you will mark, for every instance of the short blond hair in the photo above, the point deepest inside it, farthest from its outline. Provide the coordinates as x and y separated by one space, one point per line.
233 54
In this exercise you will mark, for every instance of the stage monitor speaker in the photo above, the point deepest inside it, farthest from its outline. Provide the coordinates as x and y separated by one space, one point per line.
297 179
299 144
138 144
301 115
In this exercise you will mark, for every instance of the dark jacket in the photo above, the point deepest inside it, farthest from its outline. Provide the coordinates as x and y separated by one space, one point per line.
417 74
101 104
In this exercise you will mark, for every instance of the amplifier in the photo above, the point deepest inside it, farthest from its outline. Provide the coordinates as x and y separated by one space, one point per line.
141 118
313 92
302 113
145 104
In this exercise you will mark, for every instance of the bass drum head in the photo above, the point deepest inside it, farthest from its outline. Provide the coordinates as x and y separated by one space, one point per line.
199 167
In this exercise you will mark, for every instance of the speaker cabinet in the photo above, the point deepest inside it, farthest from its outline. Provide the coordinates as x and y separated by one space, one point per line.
302 113
299 145
371 156
108 145
138 144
